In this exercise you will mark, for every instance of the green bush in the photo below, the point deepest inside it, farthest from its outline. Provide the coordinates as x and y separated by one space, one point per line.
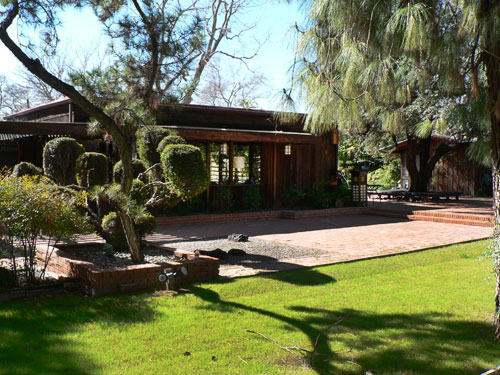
253 198
145 223
59 159
148 138
31 208
170 140
26 169
139 192
137 168
321 195
224 199
185 170
92 169
294 198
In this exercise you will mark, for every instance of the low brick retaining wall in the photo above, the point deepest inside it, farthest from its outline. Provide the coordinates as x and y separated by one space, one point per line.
255 215
97 281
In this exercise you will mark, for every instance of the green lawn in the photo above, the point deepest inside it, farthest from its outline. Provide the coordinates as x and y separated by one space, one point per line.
422 313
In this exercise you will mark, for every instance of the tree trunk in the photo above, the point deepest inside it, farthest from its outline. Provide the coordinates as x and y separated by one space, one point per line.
188 98
116 131
492 65
132 239
421 173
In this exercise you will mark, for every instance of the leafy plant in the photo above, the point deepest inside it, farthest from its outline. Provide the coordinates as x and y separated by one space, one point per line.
24 168
59 159
184 170
148 138
294 197
92 169
30 208
253 198
144 224
224 199
170 140
137 167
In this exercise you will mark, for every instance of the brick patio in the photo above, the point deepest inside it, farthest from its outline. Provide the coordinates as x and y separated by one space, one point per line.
345 237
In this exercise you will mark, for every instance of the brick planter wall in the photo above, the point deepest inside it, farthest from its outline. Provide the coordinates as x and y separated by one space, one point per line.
97 281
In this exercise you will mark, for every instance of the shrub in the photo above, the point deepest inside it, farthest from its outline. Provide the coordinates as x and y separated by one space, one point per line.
224 199
294 197
148 139
145 223
7 279
59 159
324 194
252 198
26 169
30 208
137 168
92 169
185 170
139 192
170 140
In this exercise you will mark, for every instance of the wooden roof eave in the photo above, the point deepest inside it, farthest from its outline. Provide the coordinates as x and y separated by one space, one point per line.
228 135
73 129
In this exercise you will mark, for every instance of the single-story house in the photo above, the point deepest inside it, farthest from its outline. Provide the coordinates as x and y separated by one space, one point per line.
242 147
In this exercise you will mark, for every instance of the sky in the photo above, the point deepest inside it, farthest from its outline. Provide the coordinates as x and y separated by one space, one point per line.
273 19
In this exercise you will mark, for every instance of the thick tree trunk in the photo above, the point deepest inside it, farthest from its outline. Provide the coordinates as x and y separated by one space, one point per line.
116 131
132 239
420 172
491 62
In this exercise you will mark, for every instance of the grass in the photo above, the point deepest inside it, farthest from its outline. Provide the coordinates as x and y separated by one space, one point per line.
422 313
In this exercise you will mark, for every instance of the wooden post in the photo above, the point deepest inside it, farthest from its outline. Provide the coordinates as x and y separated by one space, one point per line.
275 146
208 165
231 155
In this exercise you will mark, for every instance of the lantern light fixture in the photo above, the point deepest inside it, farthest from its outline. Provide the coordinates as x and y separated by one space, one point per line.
223 148
288 149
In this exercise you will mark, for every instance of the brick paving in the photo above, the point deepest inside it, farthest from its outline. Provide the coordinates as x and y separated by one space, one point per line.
340 238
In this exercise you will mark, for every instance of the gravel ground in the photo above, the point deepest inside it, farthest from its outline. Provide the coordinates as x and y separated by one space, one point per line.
258 251
119 259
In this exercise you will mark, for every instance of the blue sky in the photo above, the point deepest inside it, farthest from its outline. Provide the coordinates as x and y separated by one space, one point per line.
273 20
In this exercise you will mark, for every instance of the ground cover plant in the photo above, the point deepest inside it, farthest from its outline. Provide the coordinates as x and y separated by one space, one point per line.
422 313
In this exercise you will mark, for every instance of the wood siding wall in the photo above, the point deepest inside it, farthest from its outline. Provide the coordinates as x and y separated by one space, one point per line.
456 173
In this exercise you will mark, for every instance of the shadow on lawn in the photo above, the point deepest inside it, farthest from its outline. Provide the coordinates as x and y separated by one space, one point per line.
431 343
31 331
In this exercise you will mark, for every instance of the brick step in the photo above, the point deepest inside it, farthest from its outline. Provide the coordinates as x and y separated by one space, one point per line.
454 215
450 220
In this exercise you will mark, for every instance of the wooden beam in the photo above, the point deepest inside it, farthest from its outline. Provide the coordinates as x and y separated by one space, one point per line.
44 128
227 135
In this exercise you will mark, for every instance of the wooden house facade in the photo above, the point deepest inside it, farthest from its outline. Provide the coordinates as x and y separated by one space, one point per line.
454 172
242 148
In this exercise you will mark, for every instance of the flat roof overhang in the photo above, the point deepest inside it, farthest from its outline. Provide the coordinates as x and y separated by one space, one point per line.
73 129
234 135
79 130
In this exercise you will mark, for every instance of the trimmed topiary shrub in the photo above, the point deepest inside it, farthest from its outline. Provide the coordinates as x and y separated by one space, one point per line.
139 192
185 170
59 159
92 169
145 223
148 138
170 140
26 169
137 166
